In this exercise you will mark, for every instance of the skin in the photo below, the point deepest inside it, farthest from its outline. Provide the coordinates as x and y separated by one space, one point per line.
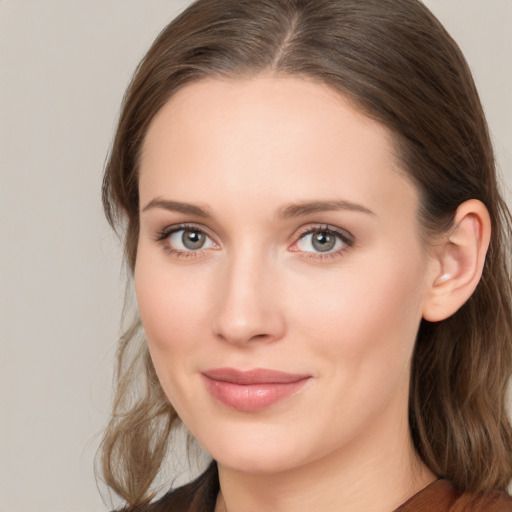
259 294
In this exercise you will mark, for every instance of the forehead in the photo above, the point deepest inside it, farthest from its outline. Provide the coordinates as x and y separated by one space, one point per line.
279 105
264 134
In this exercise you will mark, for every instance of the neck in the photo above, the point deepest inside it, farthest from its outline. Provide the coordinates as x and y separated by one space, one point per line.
376 473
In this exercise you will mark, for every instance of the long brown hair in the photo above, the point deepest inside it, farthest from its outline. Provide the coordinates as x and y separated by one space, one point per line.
399 66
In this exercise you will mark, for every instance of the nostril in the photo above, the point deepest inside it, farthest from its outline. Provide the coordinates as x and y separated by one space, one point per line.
259 336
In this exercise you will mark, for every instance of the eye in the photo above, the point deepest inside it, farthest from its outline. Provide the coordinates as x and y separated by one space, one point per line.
185 240
189 240
323 240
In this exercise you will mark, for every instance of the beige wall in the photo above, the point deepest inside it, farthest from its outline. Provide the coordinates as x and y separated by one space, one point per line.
63 67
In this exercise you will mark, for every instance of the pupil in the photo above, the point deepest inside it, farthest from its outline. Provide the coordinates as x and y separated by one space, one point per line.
193 239
323 241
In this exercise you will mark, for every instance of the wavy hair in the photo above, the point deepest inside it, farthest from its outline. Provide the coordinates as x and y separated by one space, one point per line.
399 66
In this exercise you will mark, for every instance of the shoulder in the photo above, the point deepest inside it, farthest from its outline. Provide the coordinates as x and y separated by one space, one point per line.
495 501
442 496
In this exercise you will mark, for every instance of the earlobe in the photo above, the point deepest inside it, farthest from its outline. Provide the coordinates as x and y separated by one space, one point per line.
459 261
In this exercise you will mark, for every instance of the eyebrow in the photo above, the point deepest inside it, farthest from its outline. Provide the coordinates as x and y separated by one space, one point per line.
286 212
309 207
177 206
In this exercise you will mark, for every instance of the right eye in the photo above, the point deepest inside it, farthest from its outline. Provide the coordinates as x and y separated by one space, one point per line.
186 241
189 240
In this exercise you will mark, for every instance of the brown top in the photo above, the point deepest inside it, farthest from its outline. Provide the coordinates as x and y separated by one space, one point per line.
439 496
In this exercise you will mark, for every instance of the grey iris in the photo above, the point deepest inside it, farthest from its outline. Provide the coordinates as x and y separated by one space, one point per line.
323 241
193 239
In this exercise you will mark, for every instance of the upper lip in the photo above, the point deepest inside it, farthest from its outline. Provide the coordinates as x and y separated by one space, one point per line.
255 376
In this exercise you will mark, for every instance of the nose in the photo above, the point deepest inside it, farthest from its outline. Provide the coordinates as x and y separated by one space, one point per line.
248 302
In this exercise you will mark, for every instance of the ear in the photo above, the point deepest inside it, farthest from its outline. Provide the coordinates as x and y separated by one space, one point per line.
458 261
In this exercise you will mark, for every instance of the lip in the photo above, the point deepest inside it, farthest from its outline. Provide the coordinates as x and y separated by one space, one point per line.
252 390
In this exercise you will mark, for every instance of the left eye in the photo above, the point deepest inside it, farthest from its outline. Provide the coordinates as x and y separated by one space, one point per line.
321 241
189 240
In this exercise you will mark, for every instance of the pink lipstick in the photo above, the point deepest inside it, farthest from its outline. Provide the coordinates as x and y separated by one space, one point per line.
252 390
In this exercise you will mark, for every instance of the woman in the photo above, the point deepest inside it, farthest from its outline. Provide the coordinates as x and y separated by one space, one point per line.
320 259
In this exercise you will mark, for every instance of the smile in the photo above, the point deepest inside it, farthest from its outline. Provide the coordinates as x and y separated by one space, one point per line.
252 390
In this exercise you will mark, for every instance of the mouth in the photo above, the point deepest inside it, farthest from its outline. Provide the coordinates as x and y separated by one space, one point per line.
252 390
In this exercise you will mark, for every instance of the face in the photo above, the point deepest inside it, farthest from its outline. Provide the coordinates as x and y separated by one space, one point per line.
280 274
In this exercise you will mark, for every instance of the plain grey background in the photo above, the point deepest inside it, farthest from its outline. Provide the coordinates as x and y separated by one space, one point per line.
64 65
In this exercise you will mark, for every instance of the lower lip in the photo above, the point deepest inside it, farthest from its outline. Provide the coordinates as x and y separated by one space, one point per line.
251 397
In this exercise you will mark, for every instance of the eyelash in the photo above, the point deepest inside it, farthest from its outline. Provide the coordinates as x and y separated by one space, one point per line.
345 237
163 236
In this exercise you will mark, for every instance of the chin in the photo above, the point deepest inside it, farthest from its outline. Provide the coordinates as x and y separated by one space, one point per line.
256 463
256 454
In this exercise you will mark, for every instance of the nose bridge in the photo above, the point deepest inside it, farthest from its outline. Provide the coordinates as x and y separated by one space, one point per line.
248 306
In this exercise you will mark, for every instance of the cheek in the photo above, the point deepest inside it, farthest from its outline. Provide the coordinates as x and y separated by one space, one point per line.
170 304
172 307
365 316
